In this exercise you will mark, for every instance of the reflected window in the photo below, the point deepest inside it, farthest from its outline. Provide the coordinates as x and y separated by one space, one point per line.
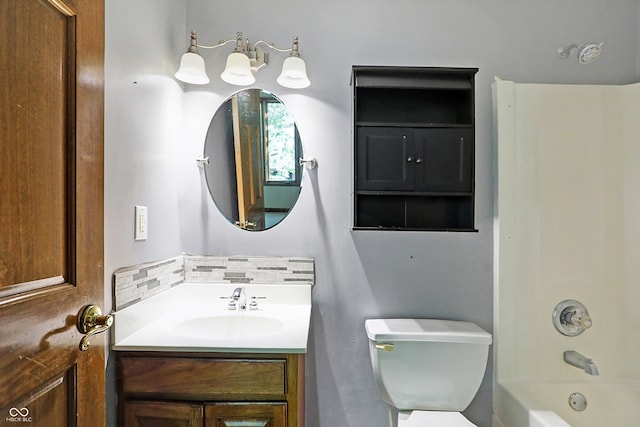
281 142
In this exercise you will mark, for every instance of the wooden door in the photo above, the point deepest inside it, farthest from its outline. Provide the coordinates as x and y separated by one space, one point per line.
51 210
245 107
245 415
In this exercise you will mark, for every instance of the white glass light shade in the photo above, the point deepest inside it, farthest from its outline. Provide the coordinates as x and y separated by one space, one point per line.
294 73
192 69
238 70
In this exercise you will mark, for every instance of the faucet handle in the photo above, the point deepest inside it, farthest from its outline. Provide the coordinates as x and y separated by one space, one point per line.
571 318
253 305
579 318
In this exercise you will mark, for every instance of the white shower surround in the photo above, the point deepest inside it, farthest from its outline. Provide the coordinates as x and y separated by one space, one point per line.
566 226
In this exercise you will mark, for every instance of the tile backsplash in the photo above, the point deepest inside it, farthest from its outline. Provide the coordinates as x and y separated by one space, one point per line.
239 269
139 282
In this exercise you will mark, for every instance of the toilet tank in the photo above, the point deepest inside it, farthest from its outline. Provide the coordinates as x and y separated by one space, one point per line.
427 364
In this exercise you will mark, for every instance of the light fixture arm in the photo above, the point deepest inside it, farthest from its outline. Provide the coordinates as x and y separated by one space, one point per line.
242 44
220 43
270 45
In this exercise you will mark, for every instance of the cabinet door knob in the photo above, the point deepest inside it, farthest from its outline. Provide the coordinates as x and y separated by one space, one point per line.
418 160
409 159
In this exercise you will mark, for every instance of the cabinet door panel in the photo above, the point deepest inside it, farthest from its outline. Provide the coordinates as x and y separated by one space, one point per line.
443 160
385 159
246 415
162 414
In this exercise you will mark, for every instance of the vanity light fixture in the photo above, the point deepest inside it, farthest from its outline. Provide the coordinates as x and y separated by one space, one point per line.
242 63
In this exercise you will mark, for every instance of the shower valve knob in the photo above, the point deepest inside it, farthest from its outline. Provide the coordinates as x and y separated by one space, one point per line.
577 318
571 318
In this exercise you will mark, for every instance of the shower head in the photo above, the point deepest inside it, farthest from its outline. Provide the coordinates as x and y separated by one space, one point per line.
586 53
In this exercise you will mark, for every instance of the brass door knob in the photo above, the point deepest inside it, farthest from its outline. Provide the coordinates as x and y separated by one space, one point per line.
91 322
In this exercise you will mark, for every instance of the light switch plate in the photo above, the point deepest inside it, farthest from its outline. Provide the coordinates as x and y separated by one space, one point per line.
140 232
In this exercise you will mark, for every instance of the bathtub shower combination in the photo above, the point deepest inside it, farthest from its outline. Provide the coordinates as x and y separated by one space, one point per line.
567 245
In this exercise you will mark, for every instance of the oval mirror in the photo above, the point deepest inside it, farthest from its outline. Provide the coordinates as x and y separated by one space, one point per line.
253 146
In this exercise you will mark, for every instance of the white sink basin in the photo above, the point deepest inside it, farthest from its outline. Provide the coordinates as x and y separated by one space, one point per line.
236 325
194 317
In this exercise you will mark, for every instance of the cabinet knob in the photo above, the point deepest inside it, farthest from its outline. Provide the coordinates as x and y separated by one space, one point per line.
418 160
409 159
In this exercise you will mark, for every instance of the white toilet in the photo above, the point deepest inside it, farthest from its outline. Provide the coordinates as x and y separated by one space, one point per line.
428 369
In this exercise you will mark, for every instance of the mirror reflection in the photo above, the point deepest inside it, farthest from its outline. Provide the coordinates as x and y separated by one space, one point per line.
253 147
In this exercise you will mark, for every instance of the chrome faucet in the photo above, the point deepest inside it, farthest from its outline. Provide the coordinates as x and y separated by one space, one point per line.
239 295
576 359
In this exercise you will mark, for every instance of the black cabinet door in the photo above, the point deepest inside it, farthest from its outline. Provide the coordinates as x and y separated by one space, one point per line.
443 159
421 160
385 159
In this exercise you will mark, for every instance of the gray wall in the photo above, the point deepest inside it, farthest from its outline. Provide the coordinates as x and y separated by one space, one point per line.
143 125
151 153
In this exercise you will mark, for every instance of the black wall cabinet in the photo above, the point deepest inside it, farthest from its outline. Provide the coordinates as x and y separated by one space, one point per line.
414 148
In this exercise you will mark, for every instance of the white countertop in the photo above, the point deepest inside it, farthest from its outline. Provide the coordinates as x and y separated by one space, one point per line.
194 317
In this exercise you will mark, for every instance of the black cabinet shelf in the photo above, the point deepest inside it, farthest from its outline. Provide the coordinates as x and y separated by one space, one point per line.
414 146
380 228
413 125
414 193
414 212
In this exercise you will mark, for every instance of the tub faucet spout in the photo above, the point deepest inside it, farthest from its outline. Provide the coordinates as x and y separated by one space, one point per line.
576 359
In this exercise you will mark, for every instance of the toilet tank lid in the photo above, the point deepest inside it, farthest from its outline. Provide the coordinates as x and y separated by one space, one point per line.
435 330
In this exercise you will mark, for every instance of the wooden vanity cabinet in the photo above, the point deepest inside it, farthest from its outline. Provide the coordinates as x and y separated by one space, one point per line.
414 148
210 389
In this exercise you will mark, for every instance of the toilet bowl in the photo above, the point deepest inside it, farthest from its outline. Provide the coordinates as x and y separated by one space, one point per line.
428 369
432 419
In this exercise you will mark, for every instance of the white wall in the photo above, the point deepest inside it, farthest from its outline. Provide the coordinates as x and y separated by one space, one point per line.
360 274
